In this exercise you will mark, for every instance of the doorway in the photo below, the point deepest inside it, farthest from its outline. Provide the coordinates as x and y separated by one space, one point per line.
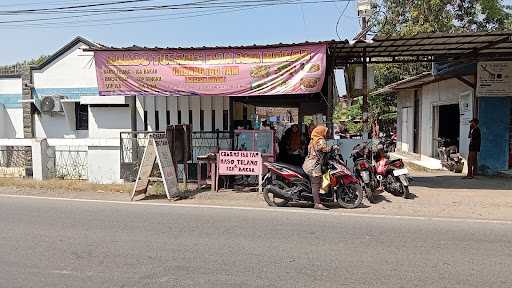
510 138
449 123
416 147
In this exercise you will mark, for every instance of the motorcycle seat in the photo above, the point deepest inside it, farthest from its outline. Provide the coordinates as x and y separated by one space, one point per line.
389 162
296 169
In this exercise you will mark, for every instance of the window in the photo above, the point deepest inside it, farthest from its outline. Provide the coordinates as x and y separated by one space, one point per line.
225 120
190 119
179 116
81 116
157 121
145 120
213 120
168 117
201 120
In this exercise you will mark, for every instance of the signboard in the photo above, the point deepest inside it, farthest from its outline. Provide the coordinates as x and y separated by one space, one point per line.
494 79
295 69
157 150
240 163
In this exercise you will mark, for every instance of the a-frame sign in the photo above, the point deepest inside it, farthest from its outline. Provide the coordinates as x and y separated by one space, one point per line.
156 150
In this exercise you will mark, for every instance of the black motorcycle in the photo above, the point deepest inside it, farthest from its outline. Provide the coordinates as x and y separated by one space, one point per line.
286 183
450 156
365 171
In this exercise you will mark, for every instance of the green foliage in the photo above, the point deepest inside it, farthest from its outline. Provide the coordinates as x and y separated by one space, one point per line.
351 115
35 61
408 18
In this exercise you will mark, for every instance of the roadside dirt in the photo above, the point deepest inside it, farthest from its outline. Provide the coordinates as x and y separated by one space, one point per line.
438 194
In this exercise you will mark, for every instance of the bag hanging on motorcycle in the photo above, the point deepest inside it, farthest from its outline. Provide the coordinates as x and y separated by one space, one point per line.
326 180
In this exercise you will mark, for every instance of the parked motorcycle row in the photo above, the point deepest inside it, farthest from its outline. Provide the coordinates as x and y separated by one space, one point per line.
373 174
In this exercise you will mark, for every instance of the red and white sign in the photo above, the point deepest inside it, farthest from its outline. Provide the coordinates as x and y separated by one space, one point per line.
239 163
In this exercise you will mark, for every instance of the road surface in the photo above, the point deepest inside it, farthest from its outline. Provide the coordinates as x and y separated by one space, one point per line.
57 243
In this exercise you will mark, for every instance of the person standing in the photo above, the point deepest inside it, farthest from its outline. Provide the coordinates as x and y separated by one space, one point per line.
474 149
313 164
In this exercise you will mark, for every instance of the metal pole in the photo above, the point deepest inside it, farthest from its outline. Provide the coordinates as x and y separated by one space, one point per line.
366 125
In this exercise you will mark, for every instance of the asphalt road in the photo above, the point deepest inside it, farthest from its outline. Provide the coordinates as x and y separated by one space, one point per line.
49 243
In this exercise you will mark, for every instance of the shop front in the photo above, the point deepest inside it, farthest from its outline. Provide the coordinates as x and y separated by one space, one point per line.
294 77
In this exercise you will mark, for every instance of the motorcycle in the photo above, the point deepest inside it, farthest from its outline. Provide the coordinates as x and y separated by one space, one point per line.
364 170
286 183
392 175
450 156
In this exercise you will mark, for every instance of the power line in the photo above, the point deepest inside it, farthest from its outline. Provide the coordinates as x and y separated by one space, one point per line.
196 5
242 4
339 19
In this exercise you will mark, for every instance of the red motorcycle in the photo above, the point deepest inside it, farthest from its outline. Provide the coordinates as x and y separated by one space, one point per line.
392 176
286 183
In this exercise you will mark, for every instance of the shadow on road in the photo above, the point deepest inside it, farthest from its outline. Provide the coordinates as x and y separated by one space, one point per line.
456 182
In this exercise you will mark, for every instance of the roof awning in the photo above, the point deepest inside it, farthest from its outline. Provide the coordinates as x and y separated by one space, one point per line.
427 47
430 47
409 83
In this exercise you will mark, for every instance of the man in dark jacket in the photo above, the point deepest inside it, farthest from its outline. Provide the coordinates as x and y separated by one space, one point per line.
474 148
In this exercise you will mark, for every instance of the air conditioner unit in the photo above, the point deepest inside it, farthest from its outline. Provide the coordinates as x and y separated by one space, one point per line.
51 104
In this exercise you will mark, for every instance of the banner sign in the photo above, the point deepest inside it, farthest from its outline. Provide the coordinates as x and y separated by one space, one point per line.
239 163
212 72
494 79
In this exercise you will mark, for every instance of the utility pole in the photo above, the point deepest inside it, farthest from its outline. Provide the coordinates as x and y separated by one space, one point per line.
364 10
366 126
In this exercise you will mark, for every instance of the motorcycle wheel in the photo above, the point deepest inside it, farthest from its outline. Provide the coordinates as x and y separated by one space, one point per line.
459 167
369 193
405 190
274 201
351 197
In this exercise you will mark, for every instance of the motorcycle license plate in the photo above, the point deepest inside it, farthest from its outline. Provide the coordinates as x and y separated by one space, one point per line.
366 176
399 172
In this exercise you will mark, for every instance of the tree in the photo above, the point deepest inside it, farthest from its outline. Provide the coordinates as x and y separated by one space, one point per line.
407 18
26 63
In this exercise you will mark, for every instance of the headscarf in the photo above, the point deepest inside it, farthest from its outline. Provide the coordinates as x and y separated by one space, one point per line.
318 134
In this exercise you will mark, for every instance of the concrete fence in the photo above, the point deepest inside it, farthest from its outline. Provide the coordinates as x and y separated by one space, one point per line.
96 160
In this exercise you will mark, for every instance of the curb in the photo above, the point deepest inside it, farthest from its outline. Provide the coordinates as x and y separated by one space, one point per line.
417 167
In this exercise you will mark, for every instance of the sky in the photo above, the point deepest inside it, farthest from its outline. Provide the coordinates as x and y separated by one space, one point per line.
278 24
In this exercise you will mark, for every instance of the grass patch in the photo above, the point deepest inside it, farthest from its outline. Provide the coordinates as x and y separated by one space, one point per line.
70 185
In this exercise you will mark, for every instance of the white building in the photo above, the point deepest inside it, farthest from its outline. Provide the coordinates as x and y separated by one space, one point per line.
83 129
439 105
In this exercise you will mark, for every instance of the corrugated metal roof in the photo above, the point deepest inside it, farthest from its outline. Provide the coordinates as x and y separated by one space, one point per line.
139 48
421 47
428 46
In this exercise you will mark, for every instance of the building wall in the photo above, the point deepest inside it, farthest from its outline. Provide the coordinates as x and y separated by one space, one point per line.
71 75
108 122
494 116
440 93
73 69
405 138
11 113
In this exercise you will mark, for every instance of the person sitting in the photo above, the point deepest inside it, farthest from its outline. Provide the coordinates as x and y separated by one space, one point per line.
313 164
294 145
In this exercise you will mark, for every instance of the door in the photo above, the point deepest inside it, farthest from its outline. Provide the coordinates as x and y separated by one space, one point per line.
435 131
417 108
406 129
466 114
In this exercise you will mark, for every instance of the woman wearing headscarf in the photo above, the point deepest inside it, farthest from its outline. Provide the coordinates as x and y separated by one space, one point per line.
313 164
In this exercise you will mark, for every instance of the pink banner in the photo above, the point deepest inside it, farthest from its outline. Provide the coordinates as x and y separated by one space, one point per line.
212 72
239 163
